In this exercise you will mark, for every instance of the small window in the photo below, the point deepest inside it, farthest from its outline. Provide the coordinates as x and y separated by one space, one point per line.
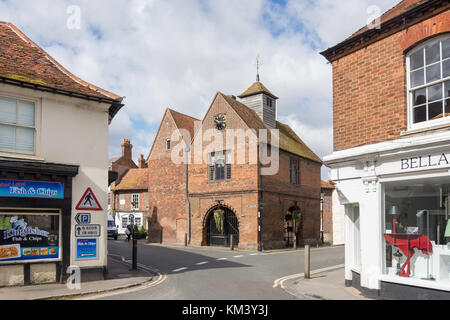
167 145
429 83
135 201
269 102
294 171
17 125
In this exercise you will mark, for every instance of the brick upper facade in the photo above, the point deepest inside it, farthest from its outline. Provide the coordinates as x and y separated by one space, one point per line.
241 193
370 82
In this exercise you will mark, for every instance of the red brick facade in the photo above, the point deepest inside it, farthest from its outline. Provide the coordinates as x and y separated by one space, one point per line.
241 194
327 212
369 83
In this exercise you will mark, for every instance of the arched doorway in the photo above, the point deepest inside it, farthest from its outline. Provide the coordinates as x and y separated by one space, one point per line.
220 224
293 226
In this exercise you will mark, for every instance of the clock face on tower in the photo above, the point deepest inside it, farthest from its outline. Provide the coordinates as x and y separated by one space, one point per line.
220 122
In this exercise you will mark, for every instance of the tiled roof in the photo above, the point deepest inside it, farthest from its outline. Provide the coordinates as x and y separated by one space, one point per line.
134 179
327 185
256 88
289 140
184 121
23 61
400 8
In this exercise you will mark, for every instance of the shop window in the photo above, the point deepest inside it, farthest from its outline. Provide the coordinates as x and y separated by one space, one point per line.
356 235
220 166
17 125
417 230
429 83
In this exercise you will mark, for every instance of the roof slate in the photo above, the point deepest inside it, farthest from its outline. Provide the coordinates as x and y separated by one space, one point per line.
134 179
256 88
398 9
184 121
23 60
289 140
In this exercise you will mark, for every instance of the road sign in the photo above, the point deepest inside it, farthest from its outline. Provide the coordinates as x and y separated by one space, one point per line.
87 230
83 218
89 202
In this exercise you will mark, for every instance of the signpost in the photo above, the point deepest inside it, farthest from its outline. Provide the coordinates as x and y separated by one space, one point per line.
83 218
89 230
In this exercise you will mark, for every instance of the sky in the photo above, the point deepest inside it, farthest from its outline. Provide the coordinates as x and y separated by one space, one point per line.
177 54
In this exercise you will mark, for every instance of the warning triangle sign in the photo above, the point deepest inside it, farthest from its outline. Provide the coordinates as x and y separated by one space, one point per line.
89 202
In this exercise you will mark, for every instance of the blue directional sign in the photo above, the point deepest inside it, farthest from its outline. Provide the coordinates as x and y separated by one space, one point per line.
83 218
31 189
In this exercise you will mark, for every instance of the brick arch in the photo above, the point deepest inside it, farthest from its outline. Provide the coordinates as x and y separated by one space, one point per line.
424 31
213 206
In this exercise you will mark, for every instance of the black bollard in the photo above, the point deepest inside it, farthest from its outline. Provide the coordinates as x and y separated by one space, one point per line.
134 267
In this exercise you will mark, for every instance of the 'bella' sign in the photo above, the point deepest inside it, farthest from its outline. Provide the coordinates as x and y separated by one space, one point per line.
425 162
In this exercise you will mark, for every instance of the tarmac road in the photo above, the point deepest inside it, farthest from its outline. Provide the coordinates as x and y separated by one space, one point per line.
217 274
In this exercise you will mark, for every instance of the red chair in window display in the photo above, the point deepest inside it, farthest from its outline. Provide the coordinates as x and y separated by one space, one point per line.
407 243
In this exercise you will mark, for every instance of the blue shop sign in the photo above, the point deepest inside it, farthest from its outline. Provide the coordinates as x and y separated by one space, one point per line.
86 248
31 189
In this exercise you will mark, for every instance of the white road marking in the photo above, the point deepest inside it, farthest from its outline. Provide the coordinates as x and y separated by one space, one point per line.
280 281
237 256
254 254
202 263
221 259
181 269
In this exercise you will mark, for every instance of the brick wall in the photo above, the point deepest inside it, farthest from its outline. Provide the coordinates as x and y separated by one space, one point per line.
369 86
167 189
327 208
280 195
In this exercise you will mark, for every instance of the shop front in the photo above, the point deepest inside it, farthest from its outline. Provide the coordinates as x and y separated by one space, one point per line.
396 196
35 221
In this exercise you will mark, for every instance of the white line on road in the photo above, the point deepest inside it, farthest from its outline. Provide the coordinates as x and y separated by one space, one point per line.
202 263
181 269
221 259
237 256
280 281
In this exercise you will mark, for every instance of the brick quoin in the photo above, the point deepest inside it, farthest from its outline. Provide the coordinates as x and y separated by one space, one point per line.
369 86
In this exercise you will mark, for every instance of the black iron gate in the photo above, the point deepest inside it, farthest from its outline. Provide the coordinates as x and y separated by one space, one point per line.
217 237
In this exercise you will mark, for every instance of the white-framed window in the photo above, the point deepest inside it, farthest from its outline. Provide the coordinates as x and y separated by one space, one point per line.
220 165
135 201
17 125
428 80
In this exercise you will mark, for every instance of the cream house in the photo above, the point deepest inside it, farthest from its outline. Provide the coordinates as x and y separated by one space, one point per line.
53 166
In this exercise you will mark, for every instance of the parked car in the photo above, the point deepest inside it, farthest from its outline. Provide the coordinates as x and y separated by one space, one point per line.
113 230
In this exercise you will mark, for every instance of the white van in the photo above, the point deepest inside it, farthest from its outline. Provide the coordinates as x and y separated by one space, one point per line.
112 228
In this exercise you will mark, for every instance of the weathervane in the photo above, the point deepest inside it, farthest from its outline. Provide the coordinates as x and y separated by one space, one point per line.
258 65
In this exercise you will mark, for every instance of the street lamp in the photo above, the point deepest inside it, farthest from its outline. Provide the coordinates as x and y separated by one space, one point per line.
187 150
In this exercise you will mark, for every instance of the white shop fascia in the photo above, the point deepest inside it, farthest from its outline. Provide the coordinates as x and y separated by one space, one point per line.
361 175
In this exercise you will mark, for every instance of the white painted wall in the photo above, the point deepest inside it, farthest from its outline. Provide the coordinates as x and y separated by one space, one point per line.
338 220
72 131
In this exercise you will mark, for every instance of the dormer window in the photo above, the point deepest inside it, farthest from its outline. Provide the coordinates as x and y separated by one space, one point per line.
429 83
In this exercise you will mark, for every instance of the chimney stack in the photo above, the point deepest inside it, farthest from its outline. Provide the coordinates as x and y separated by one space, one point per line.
126 149
141 162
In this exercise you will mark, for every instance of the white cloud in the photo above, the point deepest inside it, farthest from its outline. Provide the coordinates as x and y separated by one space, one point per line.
178 54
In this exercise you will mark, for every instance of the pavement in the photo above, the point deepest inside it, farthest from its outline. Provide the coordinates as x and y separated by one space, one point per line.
120 276
327 285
